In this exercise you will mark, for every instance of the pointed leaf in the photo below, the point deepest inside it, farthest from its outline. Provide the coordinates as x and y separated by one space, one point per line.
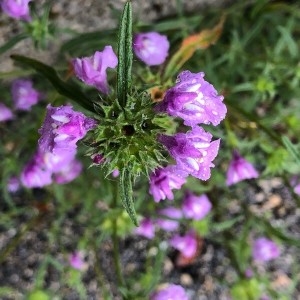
201 40
68 90
125 55
13 41
126 194
291 149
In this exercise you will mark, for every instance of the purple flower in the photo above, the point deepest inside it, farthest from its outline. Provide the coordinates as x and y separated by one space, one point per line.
24 95
62 128
35 174
170 223
194 100
115 173
146 228
5 113
193 151
60 160
151 48
295 183
17 9
264 249
92 70
239 169
69 173
163 180
76 261
186 245
171 292
196 207
13 184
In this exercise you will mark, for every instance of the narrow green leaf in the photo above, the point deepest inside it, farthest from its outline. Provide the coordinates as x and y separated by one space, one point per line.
13 41
291 149
126 194
125 55
68 90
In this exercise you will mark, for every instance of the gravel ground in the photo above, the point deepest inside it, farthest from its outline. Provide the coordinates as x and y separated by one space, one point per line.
207 278
87 16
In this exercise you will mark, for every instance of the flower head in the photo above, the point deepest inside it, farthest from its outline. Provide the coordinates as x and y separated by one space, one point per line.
163 180
186 245
17 9
196 207
62 128
170 223
239 169
151 48
146 228
264 249
5 113
92 70
193 151
24 95
194 100
171 292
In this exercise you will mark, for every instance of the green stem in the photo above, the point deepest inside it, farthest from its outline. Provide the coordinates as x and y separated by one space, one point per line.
115 238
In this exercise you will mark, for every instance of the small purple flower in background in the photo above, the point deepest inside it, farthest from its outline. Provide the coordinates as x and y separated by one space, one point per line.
152 48
92 70
69 173
171 292
35 174
295 183
168 224
193 151
186 245
115 173
76 261
17 9
5 113
239 169
163 180
264 250
62 128
194 100
196 207
13 184
146 228
24 95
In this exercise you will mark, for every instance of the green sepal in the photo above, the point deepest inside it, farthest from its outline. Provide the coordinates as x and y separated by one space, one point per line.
125 55
66 89
126 193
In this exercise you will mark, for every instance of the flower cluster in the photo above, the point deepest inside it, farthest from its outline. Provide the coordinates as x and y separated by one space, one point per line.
193 207
196 102
55 158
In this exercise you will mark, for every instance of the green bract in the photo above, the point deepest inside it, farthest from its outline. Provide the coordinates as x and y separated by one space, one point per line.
126 137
